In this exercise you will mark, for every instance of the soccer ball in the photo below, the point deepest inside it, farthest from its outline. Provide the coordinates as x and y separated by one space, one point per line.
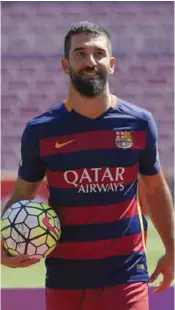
30 228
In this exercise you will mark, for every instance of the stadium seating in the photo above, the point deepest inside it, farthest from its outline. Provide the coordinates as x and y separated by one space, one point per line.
32 46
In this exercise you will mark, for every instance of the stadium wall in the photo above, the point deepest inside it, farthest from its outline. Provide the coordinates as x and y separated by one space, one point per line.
32 47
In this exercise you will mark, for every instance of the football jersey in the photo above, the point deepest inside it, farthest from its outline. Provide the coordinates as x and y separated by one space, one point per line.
92 167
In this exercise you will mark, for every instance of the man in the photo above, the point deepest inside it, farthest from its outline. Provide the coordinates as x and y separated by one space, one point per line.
92 149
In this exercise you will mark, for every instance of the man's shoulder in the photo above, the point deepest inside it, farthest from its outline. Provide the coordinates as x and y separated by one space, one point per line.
46 123
55 113
134 110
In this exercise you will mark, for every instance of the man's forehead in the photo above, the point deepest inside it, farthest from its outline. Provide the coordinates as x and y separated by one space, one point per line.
88 39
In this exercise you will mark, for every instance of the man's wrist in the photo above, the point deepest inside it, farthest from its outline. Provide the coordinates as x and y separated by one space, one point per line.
169 248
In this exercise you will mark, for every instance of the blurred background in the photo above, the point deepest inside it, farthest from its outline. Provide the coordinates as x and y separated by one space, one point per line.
32 36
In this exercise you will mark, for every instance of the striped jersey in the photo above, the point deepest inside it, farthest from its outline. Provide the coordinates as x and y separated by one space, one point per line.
92 168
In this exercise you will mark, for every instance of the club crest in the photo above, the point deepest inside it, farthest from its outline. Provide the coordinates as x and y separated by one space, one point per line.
123 139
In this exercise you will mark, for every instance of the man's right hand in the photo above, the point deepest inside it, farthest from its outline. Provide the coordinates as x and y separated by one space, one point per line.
19 261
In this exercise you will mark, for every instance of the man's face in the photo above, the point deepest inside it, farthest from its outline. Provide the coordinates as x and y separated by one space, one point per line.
89 64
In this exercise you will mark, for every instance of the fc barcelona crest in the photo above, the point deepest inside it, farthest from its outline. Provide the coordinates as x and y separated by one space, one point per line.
123 139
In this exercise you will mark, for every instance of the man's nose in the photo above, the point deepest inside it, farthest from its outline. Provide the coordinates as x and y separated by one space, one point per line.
91 61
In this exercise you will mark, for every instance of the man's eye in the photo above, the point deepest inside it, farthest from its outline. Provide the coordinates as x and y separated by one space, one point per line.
99 54
81 54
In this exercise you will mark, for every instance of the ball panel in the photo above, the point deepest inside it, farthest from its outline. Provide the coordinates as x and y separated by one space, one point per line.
55 234
4 225
31 250
20 217
42 249
14 214
51 213
6 214
34 204
33 211
39 240
16 205
10 243
45 207
23 230
12 252
6 232
36 232
57 223
50 241
31 221
21 248
24 202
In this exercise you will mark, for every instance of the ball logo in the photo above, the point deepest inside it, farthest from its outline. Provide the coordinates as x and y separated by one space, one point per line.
45 221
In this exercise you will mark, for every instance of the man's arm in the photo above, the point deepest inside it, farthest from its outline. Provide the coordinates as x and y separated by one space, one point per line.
160 208
31 171
23 191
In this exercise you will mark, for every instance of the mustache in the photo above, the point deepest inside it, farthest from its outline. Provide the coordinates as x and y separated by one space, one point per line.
89 70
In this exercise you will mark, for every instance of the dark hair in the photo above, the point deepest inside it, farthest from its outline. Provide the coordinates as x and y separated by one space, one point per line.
85 27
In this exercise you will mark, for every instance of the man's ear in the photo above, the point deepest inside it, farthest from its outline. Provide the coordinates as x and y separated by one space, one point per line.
65 65
112 65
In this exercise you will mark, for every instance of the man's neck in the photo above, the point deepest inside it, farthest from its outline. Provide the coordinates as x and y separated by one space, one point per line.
91 107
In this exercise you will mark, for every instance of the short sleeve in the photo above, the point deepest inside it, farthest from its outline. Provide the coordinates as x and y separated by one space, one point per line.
149 163
31 166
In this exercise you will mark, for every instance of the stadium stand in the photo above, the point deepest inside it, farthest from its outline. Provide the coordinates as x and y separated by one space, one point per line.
32 46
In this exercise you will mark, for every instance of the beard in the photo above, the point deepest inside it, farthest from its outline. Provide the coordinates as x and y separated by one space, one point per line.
89 86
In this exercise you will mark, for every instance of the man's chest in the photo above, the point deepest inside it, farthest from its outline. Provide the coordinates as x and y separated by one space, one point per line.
113 146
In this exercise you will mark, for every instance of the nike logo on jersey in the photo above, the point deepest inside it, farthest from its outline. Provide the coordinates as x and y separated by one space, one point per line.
46 223
58 145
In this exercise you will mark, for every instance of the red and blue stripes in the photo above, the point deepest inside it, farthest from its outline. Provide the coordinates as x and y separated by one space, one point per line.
96 273
96 214
84 141
92 182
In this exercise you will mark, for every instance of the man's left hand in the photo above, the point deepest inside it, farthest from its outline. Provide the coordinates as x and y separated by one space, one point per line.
165 266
